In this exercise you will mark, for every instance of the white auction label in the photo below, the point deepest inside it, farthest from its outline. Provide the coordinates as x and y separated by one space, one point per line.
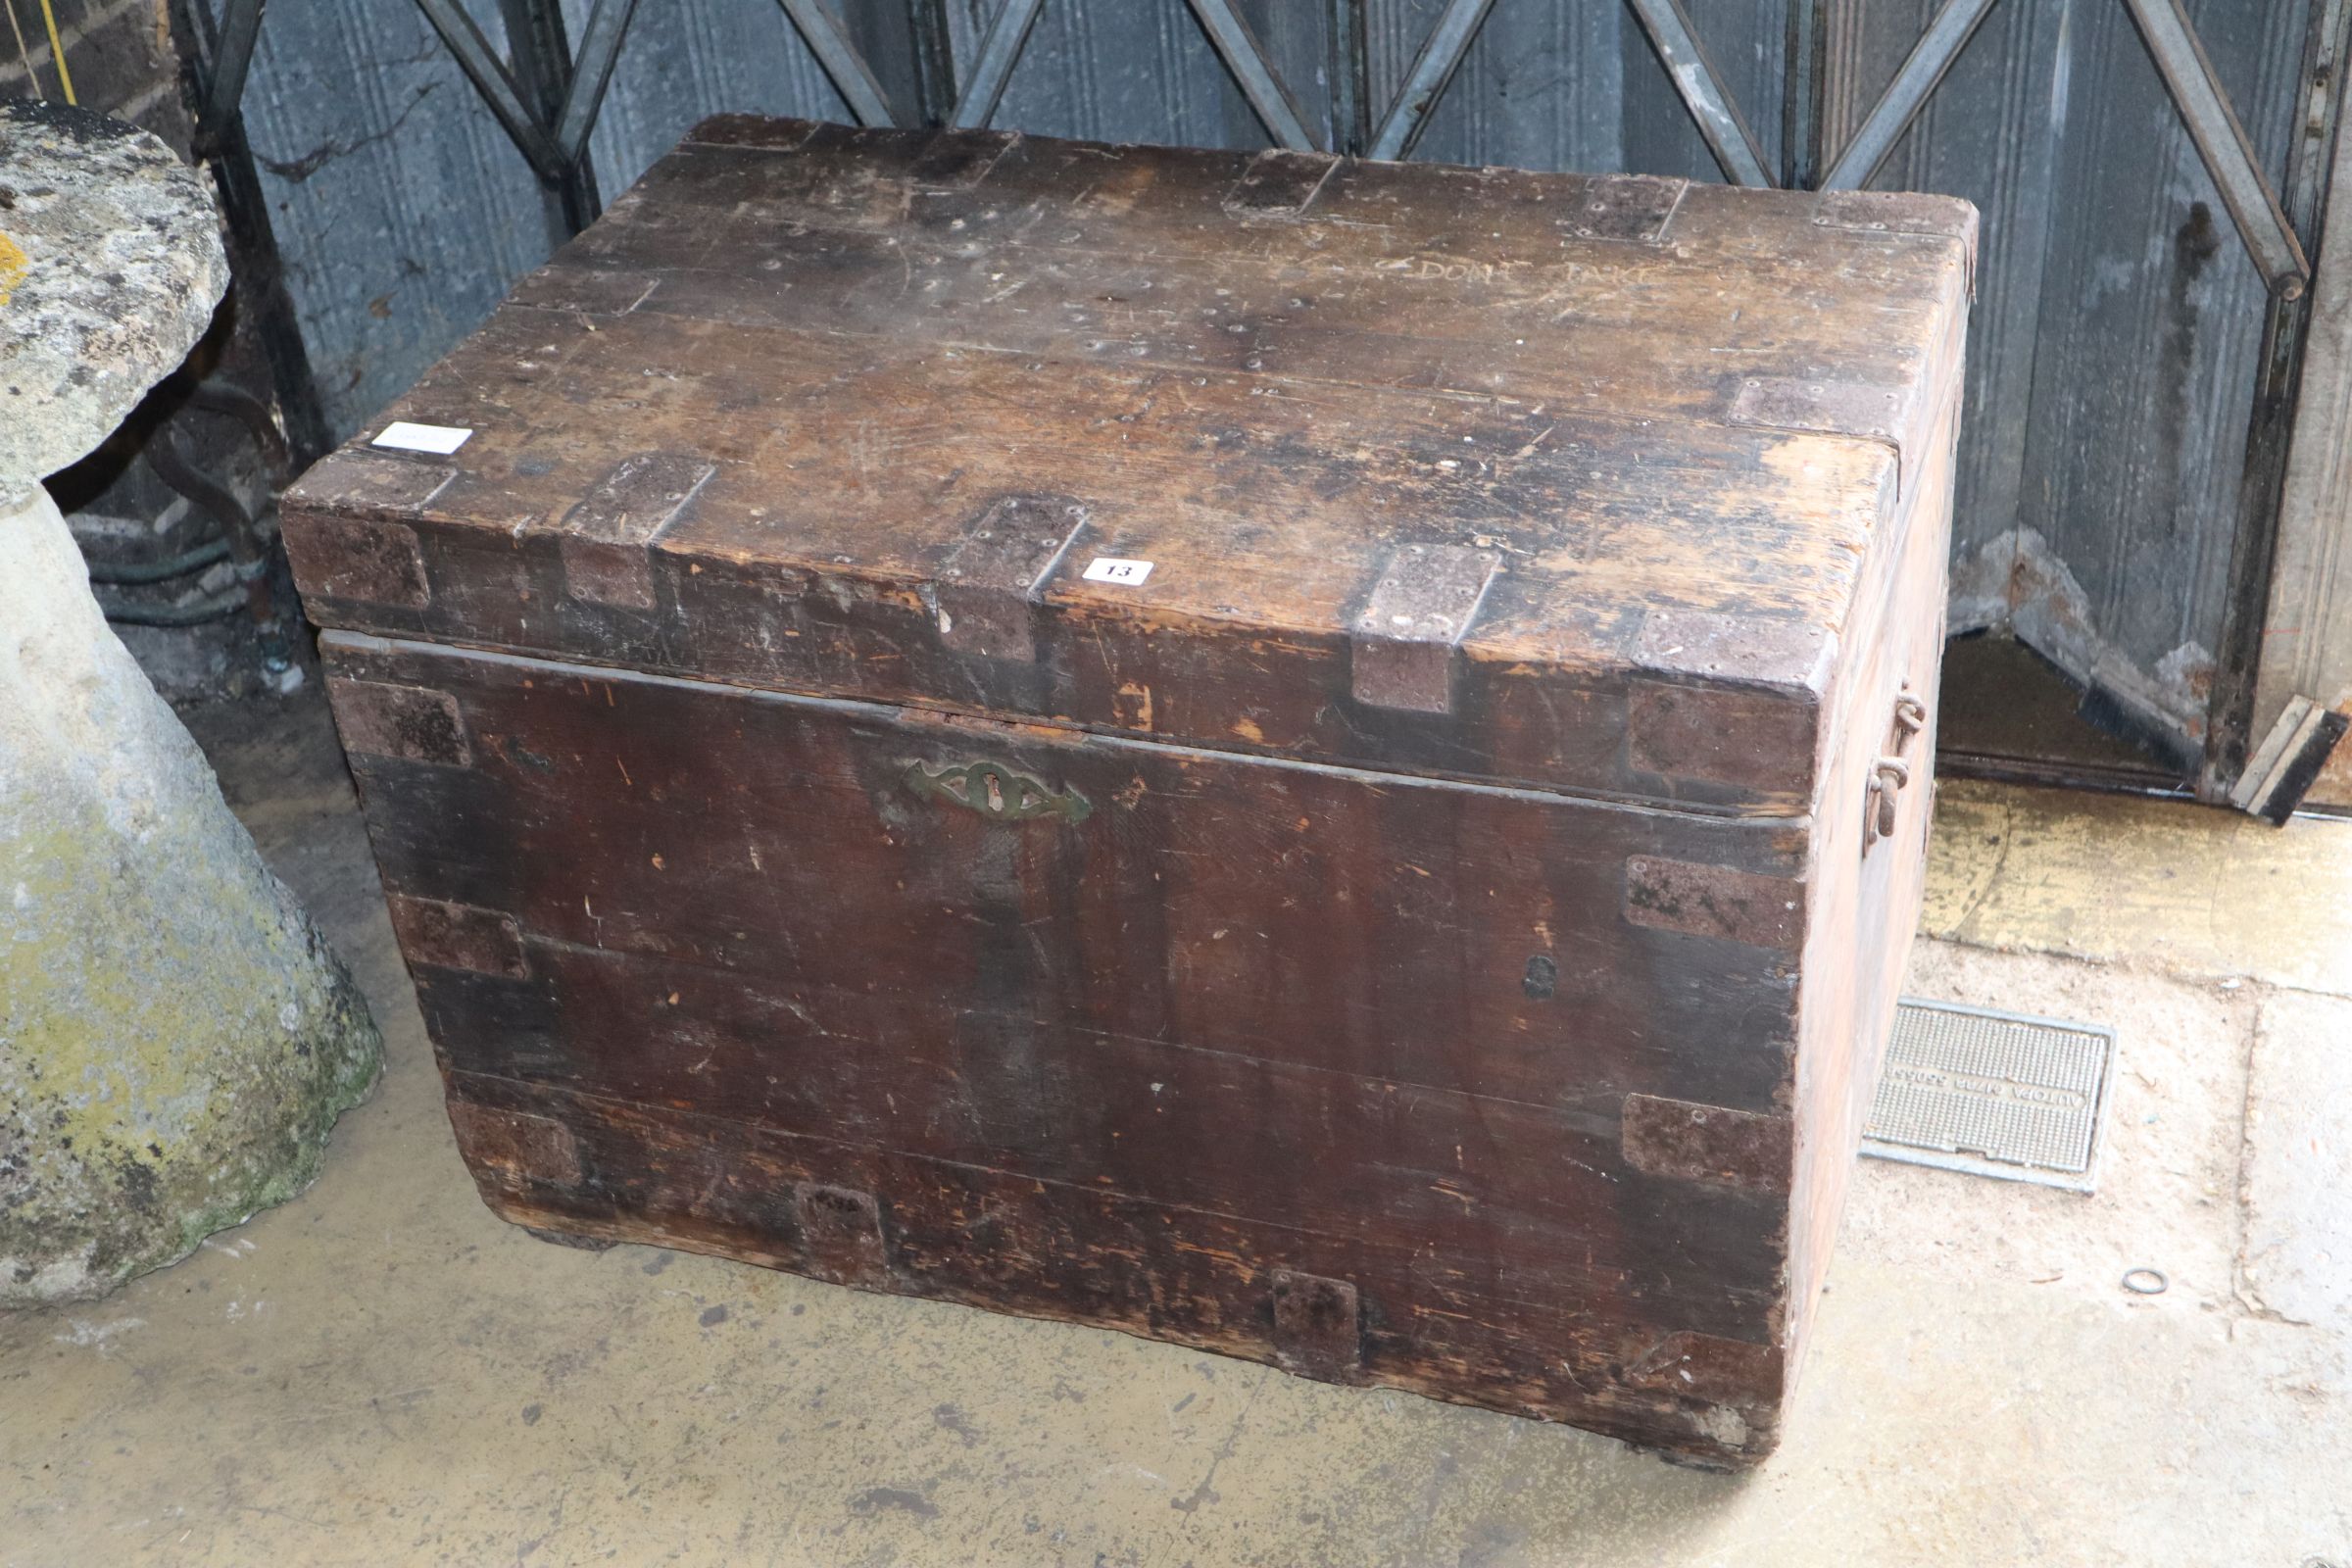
438 439
1126 573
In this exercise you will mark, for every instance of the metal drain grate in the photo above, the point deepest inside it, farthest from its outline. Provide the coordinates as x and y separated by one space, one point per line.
1996 1094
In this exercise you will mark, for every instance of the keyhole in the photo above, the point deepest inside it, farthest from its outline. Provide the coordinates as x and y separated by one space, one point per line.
1541 979
996 792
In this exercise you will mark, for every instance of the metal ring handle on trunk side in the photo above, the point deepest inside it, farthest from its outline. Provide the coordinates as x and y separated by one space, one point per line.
1892 769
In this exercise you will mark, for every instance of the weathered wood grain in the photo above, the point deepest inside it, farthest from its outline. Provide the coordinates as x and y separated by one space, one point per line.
610 1169
1868 893
1338 919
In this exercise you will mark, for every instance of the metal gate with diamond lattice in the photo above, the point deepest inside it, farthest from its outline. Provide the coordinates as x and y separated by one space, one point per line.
2151 172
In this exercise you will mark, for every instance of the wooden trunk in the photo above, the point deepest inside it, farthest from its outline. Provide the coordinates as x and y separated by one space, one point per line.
1433 926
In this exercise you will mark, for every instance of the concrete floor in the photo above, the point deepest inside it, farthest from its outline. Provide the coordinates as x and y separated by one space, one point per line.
381 1373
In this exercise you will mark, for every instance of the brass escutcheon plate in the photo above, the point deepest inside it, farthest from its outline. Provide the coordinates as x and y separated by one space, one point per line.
997 792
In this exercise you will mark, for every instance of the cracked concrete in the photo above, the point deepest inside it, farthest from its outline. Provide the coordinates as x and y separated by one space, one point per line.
381 1373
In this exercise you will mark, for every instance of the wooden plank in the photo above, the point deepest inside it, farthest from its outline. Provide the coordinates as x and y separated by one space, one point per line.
606 1169
1726 519
1870 889
1178 201
1504 1195
1273 911
1598 533
1393 276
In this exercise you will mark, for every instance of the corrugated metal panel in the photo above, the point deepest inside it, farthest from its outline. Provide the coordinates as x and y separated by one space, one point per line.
1115 72
1990 134
1747 44
1541 88
2146 359
2118 331
401 210
687 59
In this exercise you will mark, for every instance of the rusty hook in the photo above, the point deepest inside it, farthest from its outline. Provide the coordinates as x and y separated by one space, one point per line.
1888 776
1910 717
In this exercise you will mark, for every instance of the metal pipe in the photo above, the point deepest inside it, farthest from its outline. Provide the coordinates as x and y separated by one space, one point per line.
1432 72
239 532
1801 97
1246 58
1000 50
931 53
539 60
241 539
1350 72
193 614
216 396
1702 90
1922 69
154 572
2222 142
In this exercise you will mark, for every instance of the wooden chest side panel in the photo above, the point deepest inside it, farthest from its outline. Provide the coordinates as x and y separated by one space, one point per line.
1491 941
1342 1004
623 1172
1869 885
1499 1197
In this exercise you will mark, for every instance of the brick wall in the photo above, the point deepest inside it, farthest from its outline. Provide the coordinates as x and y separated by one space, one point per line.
118 53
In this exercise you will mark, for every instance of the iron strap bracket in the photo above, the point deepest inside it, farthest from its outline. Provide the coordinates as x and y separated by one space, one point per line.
1400 647
985 595
610 536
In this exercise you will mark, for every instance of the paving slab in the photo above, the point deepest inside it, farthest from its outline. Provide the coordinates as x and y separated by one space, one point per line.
2167 1178
2296 1253
2186 888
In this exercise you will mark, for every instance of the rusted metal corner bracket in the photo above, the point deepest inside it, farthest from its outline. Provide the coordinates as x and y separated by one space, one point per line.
841 1232
1822 406
1745 1149
1402 645
610 536
1318 1325
986 593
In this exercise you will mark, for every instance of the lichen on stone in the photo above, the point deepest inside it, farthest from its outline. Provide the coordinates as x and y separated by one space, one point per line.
110 267
176 1038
